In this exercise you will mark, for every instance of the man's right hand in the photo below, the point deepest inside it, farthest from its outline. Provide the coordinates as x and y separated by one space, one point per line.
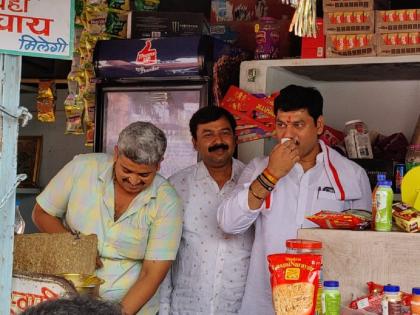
282 158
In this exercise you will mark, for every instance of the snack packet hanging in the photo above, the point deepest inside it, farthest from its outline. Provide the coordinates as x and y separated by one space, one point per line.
119 4
116 23
94 18
45 101
89 100
146 5
73 107
294 282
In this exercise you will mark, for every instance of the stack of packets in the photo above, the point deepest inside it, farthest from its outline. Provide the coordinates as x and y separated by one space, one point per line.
406 217
398 32
372 302
45 101
352 219
254 115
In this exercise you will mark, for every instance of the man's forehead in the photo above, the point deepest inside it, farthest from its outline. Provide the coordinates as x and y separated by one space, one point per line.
219 124
293 115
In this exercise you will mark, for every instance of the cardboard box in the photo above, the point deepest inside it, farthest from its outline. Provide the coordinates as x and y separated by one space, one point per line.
247 10
254 115
347 5
406 217
314 47
242 34
394 44
390 21
349 22
350 45
148 24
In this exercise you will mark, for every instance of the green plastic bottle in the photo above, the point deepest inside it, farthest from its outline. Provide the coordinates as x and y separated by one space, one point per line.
384 196
331 298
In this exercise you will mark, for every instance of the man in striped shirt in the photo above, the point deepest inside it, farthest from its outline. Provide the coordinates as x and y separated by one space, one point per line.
135 212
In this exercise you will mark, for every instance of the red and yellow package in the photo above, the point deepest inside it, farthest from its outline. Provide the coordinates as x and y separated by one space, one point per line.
349 219
294 282
45 101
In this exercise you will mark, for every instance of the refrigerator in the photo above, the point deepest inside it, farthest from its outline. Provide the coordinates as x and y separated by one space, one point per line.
163 81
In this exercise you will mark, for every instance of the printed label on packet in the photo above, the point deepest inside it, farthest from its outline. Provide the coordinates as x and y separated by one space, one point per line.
363 303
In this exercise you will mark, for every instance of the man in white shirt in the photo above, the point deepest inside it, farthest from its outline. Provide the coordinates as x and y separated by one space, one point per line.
210 271
301 176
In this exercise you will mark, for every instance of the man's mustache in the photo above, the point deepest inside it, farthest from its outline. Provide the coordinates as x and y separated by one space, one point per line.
218 146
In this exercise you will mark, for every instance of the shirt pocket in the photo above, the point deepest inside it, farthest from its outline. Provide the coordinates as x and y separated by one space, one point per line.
132 242
325 200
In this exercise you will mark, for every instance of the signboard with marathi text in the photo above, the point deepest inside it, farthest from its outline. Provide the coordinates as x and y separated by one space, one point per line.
38 28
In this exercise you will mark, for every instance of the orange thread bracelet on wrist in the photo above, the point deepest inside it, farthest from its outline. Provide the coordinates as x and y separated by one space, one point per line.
270 176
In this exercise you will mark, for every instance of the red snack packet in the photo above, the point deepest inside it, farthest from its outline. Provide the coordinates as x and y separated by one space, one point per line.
350 219
294 282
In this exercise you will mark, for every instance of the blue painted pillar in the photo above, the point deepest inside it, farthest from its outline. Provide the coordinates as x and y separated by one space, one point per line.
10 73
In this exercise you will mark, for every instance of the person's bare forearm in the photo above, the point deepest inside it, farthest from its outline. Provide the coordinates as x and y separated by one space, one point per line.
46 222
145 286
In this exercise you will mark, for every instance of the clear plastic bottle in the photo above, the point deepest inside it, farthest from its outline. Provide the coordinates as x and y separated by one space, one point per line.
379 178
384 196
331 298
300 246
19 225
391 302
357 140
412 158
415 301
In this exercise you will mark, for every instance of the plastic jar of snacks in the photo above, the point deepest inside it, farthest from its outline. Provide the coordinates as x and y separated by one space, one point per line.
300 246
415 301
357 140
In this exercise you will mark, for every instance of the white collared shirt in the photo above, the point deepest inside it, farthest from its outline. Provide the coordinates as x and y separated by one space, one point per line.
209 274
334 183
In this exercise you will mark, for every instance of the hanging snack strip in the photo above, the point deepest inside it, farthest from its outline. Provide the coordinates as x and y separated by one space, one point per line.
304 20
45 101
74 113
95 20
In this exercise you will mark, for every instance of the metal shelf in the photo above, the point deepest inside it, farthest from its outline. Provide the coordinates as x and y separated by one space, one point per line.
349 69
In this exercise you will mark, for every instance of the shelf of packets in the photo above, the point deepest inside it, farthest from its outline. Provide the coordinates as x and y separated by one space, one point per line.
254 114
95 20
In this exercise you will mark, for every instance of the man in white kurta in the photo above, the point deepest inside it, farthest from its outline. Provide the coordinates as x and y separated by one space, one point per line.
300 177
209 275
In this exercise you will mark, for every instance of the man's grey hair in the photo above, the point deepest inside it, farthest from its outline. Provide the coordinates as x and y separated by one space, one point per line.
142 142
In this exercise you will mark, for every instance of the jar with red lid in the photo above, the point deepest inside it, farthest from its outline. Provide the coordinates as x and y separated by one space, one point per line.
301 246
